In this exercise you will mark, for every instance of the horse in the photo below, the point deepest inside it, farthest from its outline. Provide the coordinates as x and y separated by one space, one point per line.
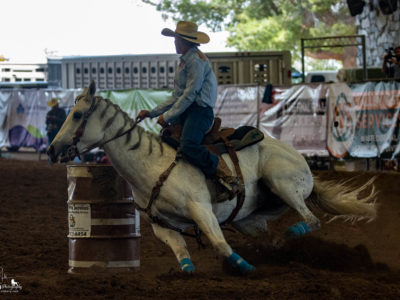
14 283
187 197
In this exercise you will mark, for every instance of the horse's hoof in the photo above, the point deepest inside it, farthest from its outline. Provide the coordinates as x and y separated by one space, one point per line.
238 262
187 265
249 269
297 230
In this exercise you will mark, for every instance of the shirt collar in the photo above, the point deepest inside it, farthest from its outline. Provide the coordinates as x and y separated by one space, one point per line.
188 54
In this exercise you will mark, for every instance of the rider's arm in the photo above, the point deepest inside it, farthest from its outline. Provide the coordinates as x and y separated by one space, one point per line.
194 81
162 107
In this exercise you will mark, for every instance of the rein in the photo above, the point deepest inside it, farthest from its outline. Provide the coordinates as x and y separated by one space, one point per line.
100 145
81 129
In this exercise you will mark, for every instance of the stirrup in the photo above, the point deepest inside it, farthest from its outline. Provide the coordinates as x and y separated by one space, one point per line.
225 184
231 189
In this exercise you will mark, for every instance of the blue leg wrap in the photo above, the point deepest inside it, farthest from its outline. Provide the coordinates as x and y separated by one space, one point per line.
187 265
297 230
236 261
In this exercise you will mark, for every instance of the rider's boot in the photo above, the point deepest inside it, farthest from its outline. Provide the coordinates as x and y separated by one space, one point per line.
225 179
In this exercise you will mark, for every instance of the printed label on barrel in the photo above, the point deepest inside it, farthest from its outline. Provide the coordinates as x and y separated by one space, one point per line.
79 220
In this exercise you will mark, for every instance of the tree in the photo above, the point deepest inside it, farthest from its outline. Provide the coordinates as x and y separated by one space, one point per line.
256 25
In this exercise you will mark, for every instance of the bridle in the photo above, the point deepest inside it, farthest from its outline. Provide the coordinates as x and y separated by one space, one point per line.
73 151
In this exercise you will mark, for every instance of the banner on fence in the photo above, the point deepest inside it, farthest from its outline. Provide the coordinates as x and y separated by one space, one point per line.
364 120
360 120
238 105
4 103
341 120
23 116
23 112
298 117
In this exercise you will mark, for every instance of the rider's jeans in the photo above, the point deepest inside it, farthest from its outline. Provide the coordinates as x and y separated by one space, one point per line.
197 120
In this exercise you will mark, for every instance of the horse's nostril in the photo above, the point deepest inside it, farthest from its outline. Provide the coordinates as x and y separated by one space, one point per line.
51 153
71 151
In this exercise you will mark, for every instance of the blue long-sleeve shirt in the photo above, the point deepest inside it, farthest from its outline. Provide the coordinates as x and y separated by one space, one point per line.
194 82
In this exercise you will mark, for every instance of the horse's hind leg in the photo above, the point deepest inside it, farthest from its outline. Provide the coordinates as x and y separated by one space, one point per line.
293 192
178 245
204 217
311 222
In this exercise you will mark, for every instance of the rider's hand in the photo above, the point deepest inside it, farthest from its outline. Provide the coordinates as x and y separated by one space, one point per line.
162 122
143 114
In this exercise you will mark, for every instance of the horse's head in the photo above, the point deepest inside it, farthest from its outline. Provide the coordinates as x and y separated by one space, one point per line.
79 131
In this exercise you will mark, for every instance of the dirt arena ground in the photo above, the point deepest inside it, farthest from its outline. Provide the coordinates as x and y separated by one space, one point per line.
341 261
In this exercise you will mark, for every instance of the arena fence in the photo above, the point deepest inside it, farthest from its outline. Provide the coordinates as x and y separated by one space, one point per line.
326 121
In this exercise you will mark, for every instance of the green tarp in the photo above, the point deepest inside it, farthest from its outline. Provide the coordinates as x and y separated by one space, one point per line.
132 101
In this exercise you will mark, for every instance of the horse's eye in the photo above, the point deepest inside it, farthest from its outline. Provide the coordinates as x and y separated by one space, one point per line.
77 115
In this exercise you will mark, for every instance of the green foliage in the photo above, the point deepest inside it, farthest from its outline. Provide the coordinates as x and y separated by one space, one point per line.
256 25
318 64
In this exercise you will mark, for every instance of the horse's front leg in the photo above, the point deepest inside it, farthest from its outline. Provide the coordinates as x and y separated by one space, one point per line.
178 245
204 217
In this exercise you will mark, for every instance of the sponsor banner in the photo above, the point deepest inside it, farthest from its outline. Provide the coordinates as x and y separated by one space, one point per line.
341 120
364 120
298 117
376 106
27 111
238 105
23 116
5 100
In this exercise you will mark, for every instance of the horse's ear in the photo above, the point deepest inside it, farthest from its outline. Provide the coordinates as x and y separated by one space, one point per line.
85 91
92 88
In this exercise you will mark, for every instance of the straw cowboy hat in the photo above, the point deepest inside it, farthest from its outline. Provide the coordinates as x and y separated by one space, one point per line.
52 102
188 31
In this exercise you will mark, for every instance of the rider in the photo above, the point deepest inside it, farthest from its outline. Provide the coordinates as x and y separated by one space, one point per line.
192 102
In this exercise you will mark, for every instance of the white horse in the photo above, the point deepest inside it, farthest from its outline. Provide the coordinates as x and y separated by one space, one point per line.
187 198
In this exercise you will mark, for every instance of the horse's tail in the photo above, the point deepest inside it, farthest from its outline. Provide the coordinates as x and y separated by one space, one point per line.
342 201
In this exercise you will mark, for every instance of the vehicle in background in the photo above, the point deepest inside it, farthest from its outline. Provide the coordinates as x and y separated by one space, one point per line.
321 76
297 76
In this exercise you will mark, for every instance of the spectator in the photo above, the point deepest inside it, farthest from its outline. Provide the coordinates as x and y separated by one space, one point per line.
391 63
54 119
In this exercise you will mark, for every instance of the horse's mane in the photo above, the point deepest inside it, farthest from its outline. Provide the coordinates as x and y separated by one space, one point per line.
151 136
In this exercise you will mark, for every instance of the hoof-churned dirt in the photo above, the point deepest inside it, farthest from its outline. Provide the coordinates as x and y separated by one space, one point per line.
341 261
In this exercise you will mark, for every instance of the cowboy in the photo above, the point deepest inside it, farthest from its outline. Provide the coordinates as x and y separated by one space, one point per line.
192 102
54 119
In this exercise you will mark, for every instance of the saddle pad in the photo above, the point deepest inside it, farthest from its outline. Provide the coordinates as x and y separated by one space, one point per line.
242 137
